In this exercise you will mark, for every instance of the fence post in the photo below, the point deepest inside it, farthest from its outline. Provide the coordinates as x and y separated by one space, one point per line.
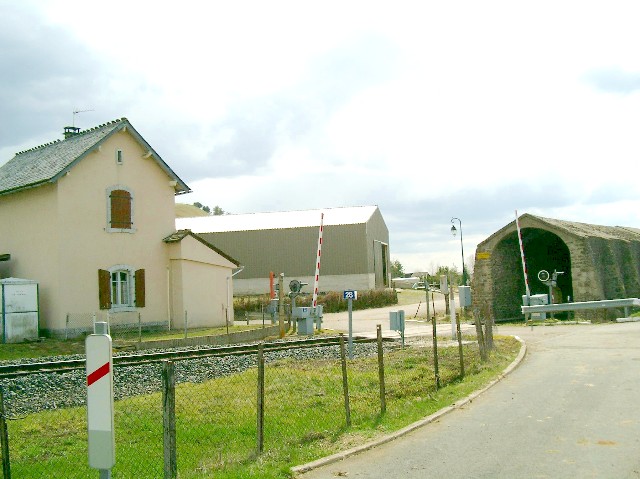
4 438
435 351
480 335
139 327
459 335
345 381
66 328
169 420
383 400
260 401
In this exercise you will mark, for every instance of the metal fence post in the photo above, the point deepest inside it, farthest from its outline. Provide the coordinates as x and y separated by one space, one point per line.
460 352
139 327
383 400
260 400
435 351
4 438
169 420
66 328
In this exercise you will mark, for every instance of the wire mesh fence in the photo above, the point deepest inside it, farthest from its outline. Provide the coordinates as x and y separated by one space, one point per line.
126 325
228 415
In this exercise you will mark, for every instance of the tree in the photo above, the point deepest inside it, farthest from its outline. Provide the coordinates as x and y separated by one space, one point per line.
217 211
397 270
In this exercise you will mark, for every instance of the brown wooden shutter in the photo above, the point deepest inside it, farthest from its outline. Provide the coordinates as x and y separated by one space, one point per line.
140 289
104 289
120 209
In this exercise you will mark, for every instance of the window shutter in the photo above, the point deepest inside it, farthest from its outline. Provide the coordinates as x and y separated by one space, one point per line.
140 289
120 209
104 289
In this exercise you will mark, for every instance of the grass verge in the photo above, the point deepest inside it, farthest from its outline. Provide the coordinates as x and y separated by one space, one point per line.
216 420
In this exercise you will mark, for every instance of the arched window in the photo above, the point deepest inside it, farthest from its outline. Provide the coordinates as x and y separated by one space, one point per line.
120 210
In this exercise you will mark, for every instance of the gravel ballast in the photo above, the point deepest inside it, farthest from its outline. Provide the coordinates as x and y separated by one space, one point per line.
42 391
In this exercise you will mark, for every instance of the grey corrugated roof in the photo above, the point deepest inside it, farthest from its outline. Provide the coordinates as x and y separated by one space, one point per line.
47 163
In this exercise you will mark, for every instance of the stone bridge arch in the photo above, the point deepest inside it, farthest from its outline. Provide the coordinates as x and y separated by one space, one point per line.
599 262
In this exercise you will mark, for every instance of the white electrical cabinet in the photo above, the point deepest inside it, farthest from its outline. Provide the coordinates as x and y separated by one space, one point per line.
19 311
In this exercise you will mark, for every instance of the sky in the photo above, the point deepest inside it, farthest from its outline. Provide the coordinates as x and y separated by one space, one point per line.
431 110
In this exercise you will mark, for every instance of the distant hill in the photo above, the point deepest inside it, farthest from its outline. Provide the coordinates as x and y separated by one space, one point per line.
188 211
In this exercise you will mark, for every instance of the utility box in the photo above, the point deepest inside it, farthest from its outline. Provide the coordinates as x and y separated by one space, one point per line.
19 310
444 284
396 319
464 294
536 300
306 317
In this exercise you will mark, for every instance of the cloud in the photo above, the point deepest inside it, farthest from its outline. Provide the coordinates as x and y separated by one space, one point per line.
256 130
614 80
46 74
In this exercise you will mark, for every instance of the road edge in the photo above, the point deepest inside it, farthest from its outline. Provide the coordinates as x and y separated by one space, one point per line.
339 456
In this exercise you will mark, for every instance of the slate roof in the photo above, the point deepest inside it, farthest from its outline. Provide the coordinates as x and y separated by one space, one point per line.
278 220
47 163
182 234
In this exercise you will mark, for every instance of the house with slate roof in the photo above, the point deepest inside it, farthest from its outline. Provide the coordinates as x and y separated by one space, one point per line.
91 219
596 262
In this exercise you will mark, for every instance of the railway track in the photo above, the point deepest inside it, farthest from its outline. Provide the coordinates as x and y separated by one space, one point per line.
15 370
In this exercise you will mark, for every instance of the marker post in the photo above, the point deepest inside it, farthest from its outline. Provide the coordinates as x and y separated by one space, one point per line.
99 369
350 296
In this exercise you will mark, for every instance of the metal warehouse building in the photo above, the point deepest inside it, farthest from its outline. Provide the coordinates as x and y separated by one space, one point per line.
355 248
597 262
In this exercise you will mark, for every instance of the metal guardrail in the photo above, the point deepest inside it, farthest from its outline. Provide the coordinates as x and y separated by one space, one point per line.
583 306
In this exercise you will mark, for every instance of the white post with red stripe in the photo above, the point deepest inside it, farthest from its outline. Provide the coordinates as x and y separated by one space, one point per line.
317 275
99 368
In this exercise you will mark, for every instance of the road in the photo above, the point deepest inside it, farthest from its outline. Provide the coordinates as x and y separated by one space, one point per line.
365 321
571 410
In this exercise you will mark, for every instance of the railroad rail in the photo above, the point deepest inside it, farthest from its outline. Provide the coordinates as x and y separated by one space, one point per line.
8 371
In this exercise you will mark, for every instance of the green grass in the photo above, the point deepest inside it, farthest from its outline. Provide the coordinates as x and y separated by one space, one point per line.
58 347
37 349
216 420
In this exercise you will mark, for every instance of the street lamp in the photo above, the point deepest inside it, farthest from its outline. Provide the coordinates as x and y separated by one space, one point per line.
453 232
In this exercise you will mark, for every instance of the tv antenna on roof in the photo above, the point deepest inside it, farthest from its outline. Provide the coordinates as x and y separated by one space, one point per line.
75 112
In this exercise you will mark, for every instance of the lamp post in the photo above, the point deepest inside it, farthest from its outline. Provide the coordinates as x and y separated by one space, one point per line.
453 232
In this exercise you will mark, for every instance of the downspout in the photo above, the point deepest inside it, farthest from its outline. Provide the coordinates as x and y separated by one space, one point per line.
229 298
169 296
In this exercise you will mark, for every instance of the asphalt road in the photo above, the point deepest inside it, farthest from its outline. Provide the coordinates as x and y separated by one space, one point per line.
365 321
571 410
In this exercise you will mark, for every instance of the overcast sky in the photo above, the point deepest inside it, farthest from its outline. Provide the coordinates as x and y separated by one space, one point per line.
428 109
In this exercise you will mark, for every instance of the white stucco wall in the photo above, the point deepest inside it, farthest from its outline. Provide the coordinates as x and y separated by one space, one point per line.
201 285
60 239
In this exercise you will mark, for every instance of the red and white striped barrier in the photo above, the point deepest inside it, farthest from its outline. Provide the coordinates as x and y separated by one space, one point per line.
317 275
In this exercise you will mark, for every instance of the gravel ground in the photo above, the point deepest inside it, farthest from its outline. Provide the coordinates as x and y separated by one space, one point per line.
41 391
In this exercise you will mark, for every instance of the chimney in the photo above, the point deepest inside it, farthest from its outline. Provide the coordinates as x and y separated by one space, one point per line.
70 131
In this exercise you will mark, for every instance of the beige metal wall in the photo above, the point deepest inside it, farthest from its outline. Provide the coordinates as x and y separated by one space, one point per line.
326 283
352 256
